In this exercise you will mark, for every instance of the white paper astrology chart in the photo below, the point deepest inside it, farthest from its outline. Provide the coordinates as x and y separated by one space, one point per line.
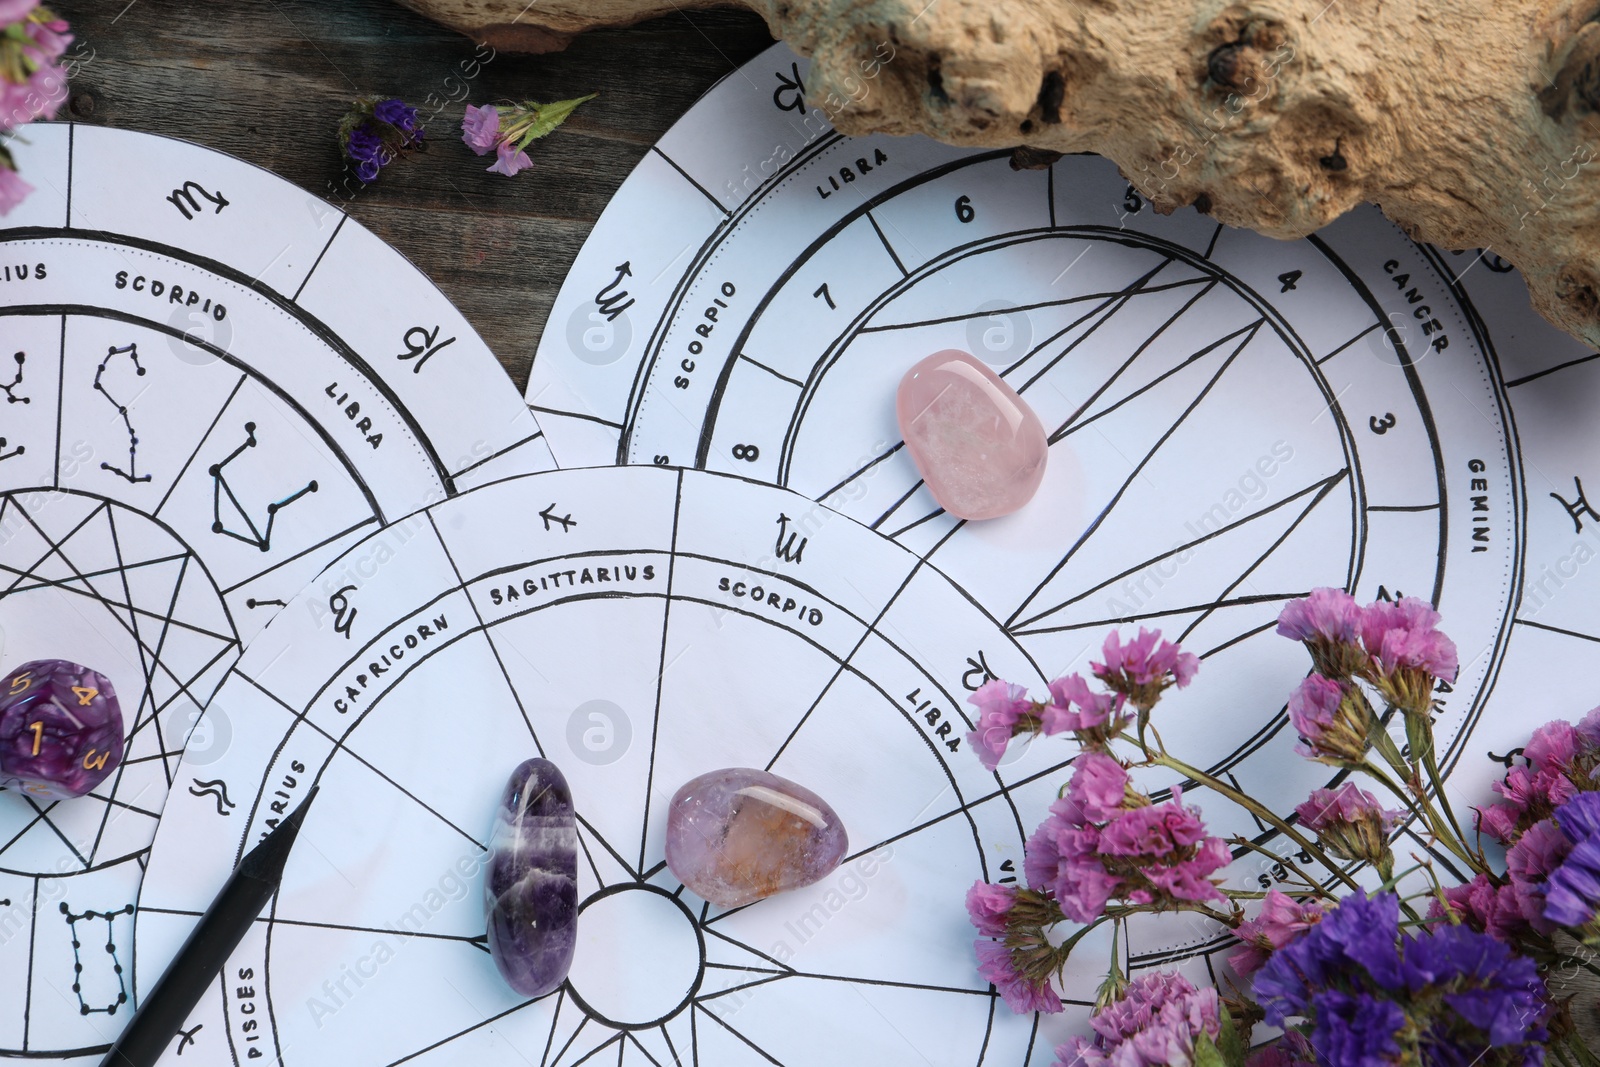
1233 420
214 384
643 626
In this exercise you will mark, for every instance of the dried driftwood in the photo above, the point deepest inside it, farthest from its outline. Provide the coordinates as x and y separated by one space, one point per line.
1472 124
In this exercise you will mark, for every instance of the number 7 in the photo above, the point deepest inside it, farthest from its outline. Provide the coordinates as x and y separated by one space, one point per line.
822 291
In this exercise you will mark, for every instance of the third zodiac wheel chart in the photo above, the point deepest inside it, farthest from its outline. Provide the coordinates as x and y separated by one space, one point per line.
212 384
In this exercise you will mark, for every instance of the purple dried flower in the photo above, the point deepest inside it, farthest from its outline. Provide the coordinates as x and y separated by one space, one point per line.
399 114
1444 995
1408 652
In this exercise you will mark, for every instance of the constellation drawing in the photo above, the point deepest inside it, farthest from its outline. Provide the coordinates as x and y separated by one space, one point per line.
80 953
131 475
261 536
10 389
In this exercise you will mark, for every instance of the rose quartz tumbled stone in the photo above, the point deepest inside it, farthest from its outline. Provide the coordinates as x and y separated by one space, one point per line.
979 446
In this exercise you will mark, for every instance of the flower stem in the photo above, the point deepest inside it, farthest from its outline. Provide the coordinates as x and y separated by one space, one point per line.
1162 759
1289 865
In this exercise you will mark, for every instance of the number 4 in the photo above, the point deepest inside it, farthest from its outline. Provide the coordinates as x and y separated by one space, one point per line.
84 695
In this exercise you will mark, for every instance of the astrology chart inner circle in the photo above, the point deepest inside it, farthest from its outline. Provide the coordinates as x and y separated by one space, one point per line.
715 586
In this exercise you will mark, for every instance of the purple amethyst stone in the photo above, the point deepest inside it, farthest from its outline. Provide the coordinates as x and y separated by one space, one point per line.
531 890
60 729
737 835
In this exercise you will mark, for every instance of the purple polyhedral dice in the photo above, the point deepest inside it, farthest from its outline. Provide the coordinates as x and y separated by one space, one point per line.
60 729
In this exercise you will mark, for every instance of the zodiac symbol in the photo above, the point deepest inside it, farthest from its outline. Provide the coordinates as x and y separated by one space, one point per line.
217 791
1577 508
788 551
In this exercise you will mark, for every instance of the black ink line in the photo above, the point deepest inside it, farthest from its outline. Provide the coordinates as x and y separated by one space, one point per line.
1072 426
1322 494
343 218
243 377
1402 507
661 667
61 379
1105 298
887 247
576 415
757 363
707 193
1111 505
859 471
1558 630
1212 246
1203 538
1348 343
1525 379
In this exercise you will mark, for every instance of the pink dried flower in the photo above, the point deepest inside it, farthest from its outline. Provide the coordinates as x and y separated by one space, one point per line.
1408 652
509 160
13 190
988 905
1062 858
1539 850
1282 919
1485 907
1328 621
480 128
510 130
1350 822
1333 720
13 10
1589 730
32 84
1095 717
1530 796
1155 1023
1001 707
1327 614
1098 786
1022 994
1553 746
1142 668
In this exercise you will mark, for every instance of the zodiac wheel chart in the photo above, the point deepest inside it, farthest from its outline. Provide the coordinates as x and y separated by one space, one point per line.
213 385
1232 420
637 635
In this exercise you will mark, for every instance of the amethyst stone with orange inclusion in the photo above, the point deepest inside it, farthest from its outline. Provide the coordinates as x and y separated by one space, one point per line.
737 835
978 445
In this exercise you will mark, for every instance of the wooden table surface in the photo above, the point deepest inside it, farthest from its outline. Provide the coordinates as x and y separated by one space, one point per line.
267 80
